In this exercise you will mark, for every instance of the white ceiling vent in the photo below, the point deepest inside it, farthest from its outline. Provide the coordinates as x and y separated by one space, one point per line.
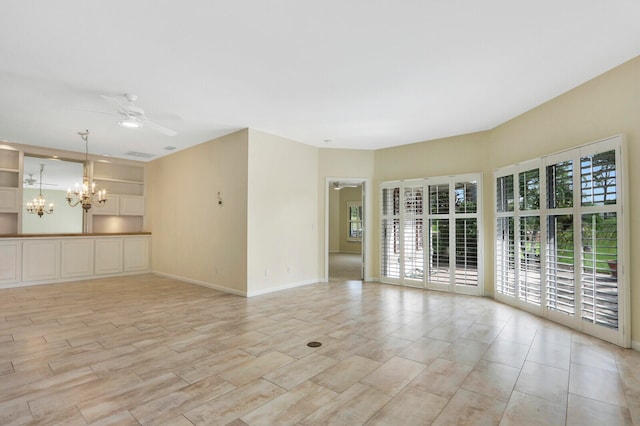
139 154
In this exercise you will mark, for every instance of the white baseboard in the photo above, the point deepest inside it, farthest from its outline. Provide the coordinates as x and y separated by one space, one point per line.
635 345
283 287
202 283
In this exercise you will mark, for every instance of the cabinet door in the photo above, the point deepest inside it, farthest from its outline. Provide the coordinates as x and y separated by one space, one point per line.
77 258
10 262
108 256
9 202
136 254
131 205
40 260
110 208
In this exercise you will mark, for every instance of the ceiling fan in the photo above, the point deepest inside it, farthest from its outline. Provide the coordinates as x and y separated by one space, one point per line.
132 116
31 181
340 185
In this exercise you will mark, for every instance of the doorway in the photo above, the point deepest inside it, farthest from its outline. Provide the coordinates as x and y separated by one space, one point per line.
345 229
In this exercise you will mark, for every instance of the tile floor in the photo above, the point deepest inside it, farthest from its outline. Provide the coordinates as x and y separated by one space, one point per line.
151 350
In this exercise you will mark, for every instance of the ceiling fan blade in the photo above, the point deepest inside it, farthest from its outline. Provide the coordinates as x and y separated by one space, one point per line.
113 114
159 128
114 101
51 184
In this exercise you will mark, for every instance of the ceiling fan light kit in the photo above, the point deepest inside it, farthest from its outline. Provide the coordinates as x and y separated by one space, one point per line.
130 123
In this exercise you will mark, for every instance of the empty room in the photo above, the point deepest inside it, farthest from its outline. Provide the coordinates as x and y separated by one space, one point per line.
340 213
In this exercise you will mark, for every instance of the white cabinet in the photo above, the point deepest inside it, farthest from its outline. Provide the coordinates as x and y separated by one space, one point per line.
108 256
131 205
121 205
9 202
110 208
77 257
136 254
10 261
40 260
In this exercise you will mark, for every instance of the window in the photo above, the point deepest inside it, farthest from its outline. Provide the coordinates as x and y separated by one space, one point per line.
558 249
354 214
430 234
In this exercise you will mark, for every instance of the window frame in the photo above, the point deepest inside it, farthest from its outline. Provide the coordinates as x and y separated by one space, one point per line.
350 221
621 335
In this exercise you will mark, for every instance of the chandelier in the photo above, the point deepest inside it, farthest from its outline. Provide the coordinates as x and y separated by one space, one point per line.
85 195
37 206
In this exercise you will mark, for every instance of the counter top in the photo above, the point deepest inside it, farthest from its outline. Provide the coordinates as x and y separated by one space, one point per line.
113 234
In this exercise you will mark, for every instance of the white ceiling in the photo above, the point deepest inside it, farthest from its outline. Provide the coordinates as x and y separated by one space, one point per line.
361 74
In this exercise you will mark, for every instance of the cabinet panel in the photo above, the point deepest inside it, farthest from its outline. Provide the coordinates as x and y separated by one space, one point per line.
77 258
40 260
131 205
110 208
9 202
10 262
108 256
136 254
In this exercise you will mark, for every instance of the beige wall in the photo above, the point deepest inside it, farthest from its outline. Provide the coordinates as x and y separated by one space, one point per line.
193 237
348 194
282 221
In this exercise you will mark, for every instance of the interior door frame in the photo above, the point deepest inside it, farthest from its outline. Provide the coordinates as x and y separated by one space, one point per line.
366 197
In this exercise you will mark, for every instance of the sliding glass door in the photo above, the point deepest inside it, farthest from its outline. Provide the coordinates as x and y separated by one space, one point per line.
430 234
559 239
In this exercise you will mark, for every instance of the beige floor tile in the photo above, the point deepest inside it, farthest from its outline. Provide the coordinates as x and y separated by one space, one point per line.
161 349
465 351
15 413
234 404
123 418
127 398
507 353
544 382
596 383
584 411
250 370
383 349
182 400
291 375
492 379
587 352
412 406
442 377
481 333
214 364
470 408
353 406
424 350
450 330
393 375
529 410
291 407
344 374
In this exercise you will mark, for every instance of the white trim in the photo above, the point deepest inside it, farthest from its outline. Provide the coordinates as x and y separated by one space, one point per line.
366 248
202 283
282 287
70 279
635 345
